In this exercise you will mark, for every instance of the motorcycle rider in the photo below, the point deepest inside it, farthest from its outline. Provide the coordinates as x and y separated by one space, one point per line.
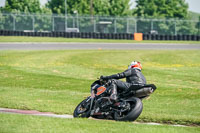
134 79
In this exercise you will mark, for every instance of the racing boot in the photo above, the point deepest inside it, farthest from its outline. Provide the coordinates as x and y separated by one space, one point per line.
113 95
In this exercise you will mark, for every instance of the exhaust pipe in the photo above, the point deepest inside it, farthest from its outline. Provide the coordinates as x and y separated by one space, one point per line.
146 91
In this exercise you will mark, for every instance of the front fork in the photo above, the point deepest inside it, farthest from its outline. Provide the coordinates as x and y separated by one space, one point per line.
92 99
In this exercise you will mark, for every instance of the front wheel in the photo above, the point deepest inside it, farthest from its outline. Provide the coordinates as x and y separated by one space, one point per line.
82 110
135 109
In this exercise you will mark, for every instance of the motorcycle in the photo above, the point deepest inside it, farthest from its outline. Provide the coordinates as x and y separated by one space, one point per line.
127 107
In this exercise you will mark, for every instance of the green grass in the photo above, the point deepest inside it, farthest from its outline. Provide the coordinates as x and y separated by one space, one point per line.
56 81
36 124
59 39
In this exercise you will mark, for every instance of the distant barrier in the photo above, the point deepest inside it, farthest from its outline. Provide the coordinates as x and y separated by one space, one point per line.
125 36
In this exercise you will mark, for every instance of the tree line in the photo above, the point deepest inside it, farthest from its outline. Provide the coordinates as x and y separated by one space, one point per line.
144 8
160 9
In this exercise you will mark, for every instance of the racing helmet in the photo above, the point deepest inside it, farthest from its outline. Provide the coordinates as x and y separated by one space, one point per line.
135 64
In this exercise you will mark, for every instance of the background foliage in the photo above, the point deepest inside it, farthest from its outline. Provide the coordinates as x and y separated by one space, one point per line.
145 9
161 8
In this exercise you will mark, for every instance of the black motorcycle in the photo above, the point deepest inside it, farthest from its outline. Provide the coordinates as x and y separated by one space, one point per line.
127 107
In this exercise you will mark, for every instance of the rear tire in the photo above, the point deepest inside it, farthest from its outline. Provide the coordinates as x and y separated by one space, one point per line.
82 110
133 114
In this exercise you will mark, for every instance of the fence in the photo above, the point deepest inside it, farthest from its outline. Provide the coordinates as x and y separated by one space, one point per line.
97 24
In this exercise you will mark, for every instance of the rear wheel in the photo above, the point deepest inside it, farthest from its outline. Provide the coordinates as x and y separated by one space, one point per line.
82 110
135 108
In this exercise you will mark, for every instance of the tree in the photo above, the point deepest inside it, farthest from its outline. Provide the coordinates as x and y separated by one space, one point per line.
112 7
166 9
99 7
25 22
26 6
58 6
119 7
161 8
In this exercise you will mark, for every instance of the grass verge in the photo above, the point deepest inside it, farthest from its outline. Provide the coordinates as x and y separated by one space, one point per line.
56 81
13 123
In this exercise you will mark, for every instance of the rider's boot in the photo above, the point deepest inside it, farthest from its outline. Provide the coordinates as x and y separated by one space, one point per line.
113 95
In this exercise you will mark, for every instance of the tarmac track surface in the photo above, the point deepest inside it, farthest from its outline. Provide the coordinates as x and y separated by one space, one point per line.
118 46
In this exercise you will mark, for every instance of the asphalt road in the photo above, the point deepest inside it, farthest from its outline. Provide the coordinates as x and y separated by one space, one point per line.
62 46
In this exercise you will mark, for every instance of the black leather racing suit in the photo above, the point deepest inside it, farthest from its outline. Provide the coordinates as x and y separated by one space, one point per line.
134 79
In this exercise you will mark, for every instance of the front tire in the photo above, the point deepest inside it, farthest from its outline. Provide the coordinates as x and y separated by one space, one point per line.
82 110
133 113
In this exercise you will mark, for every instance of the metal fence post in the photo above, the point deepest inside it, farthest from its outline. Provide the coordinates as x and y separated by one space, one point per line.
151 24
94 21
175 27
135 25
52 23
77 20
73 22
14 22
127 27
33 23
199 26
66 15
115 25
66 23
